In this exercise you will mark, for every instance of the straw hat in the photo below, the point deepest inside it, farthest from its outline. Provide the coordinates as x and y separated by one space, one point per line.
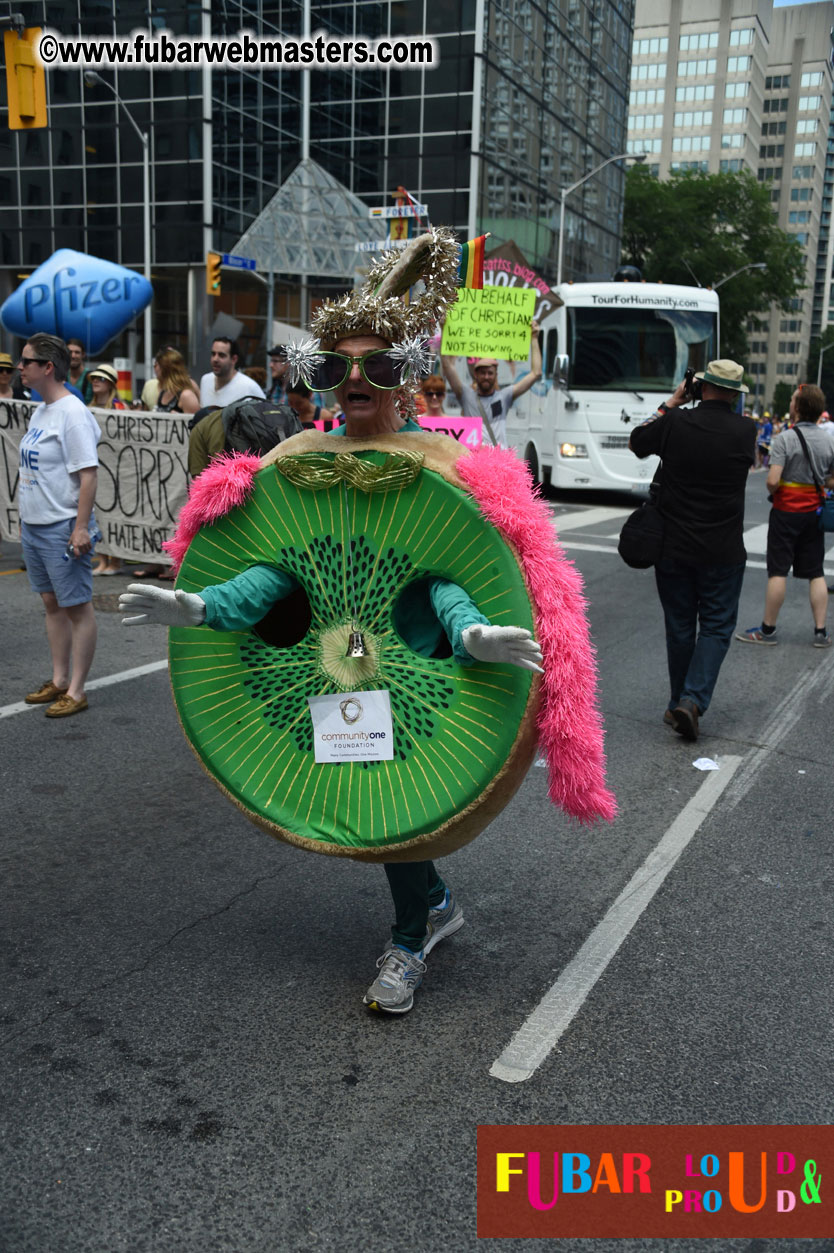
5 360
724 374
104 371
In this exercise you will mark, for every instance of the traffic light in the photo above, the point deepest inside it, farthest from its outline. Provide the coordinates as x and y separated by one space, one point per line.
213 264
25 80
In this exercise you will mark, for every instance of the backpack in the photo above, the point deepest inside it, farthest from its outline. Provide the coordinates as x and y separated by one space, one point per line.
254 425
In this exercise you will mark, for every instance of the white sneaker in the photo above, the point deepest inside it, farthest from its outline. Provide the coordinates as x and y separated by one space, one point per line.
400 975
444 920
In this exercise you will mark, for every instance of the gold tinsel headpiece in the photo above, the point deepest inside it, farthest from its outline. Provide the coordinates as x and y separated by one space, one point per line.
377 307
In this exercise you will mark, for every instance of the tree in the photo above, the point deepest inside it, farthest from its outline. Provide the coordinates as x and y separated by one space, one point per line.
782 393
708 226
827 380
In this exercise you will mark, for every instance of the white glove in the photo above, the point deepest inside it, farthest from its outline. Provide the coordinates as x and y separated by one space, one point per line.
496 643
158 604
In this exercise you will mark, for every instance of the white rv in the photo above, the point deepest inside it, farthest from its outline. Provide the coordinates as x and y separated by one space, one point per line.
610 353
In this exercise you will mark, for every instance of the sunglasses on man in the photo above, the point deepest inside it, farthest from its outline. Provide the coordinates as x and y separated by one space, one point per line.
378 368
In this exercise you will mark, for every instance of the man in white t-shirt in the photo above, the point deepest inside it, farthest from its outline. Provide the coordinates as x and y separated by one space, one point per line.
486 399
224 382
57 489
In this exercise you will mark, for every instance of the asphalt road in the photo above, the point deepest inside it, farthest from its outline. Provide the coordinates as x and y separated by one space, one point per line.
186 1062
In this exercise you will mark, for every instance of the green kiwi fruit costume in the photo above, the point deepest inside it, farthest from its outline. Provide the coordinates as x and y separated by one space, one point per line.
368 536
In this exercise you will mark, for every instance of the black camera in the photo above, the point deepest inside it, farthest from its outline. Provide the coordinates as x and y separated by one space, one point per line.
692 387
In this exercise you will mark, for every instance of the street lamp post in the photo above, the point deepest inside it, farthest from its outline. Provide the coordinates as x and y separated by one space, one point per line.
752 265
566 191
823 350
91 78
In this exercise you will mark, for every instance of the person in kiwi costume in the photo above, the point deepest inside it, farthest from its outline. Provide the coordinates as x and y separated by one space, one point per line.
364 354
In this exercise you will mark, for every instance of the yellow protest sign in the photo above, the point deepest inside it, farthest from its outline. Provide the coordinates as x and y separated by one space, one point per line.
490 322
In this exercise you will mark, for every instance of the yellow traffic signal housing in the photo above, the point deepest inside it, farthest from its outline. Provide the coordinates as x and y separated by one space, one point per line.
25 80
213 264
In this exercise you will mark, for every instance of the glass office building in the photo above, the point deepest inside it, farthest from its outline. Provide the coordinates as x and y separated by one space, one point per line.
527 97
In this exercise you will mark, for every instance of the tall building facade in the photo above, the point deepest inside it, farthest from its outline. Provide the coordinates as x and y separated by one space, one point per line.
735 85
526 98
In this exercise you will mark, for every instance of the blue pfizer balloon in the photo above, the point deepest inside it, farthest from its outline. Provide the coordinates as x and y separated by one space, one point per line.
77 297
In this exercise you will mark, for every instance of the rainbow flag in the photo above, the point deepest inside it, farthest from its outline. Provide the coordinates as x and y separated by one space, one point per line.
471 265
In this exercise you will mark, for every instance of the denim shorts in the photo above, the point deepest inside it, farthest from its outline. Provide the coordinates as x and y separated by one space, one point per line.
43 551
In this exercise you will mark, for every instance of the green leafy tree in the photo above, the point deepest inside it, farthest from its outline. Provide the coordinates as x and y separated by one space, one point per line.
827 380
782 393
696 227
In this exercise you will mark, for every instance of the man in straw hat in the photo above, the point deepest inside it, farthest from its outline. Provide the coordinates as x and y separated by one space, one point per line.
801 463
707 453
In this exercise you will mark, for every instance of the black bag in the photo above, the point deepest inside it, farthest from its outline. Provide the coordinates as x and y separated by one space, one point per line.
641 539
254 425
825 513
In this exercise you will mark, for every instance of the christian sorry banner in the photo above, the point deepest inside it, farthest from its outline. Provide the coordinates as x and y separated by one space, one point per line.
142 477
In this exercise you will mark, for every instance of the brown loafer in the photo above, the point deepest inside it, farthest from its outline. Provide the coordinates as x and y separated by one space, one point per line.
45 695
64 706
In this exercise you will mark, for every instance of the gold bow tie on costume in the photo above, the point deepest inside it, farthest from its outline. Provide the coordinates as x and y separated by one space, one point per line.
317 472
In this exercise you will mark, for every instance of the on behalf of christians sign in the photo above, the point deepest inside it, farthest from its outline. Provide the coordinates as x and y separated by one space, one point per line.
490 322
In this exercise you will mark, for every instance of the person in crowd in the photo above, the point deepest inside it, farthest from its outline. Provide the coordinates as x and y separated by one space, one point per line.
257 374
224 382
433 389
79 375
11 387
178 393
486 398
175 392
57 488
104 383
149 400
825 424
765 434
707 453
278 366
801 466
300 398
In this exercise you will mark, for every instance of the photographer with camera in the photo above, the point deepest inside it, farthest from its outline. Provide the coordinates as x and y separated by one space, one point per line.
706 453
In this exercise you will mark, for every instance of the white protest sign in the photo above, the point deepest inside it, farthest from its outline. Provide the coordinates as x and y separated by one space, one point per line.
142 477
352 726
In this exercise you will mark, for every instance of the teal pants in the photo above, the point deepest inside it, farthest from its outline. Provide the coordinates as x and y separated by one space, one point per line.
416 888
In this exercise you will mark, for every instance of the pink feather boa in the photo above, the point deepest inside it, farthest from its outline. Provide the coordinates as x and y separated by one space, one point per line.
222 486
570 727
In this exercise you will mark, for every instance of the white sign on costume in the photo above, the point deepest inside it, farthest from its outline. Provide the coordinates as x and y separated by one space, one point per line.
352 726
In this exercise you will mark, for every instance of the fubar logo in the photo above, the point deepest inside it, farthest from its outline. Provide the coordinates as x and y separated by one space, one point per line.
718 1182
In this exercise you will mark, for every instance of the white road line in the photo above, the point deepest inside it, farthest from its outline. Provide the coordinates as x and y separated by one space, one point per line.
755 538
20 706
537 1037
580 546
577 521
784 718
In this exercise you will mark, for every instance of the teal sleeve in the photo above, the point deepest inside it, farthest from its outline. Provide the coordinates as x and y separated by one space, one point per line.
456 611
244 600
